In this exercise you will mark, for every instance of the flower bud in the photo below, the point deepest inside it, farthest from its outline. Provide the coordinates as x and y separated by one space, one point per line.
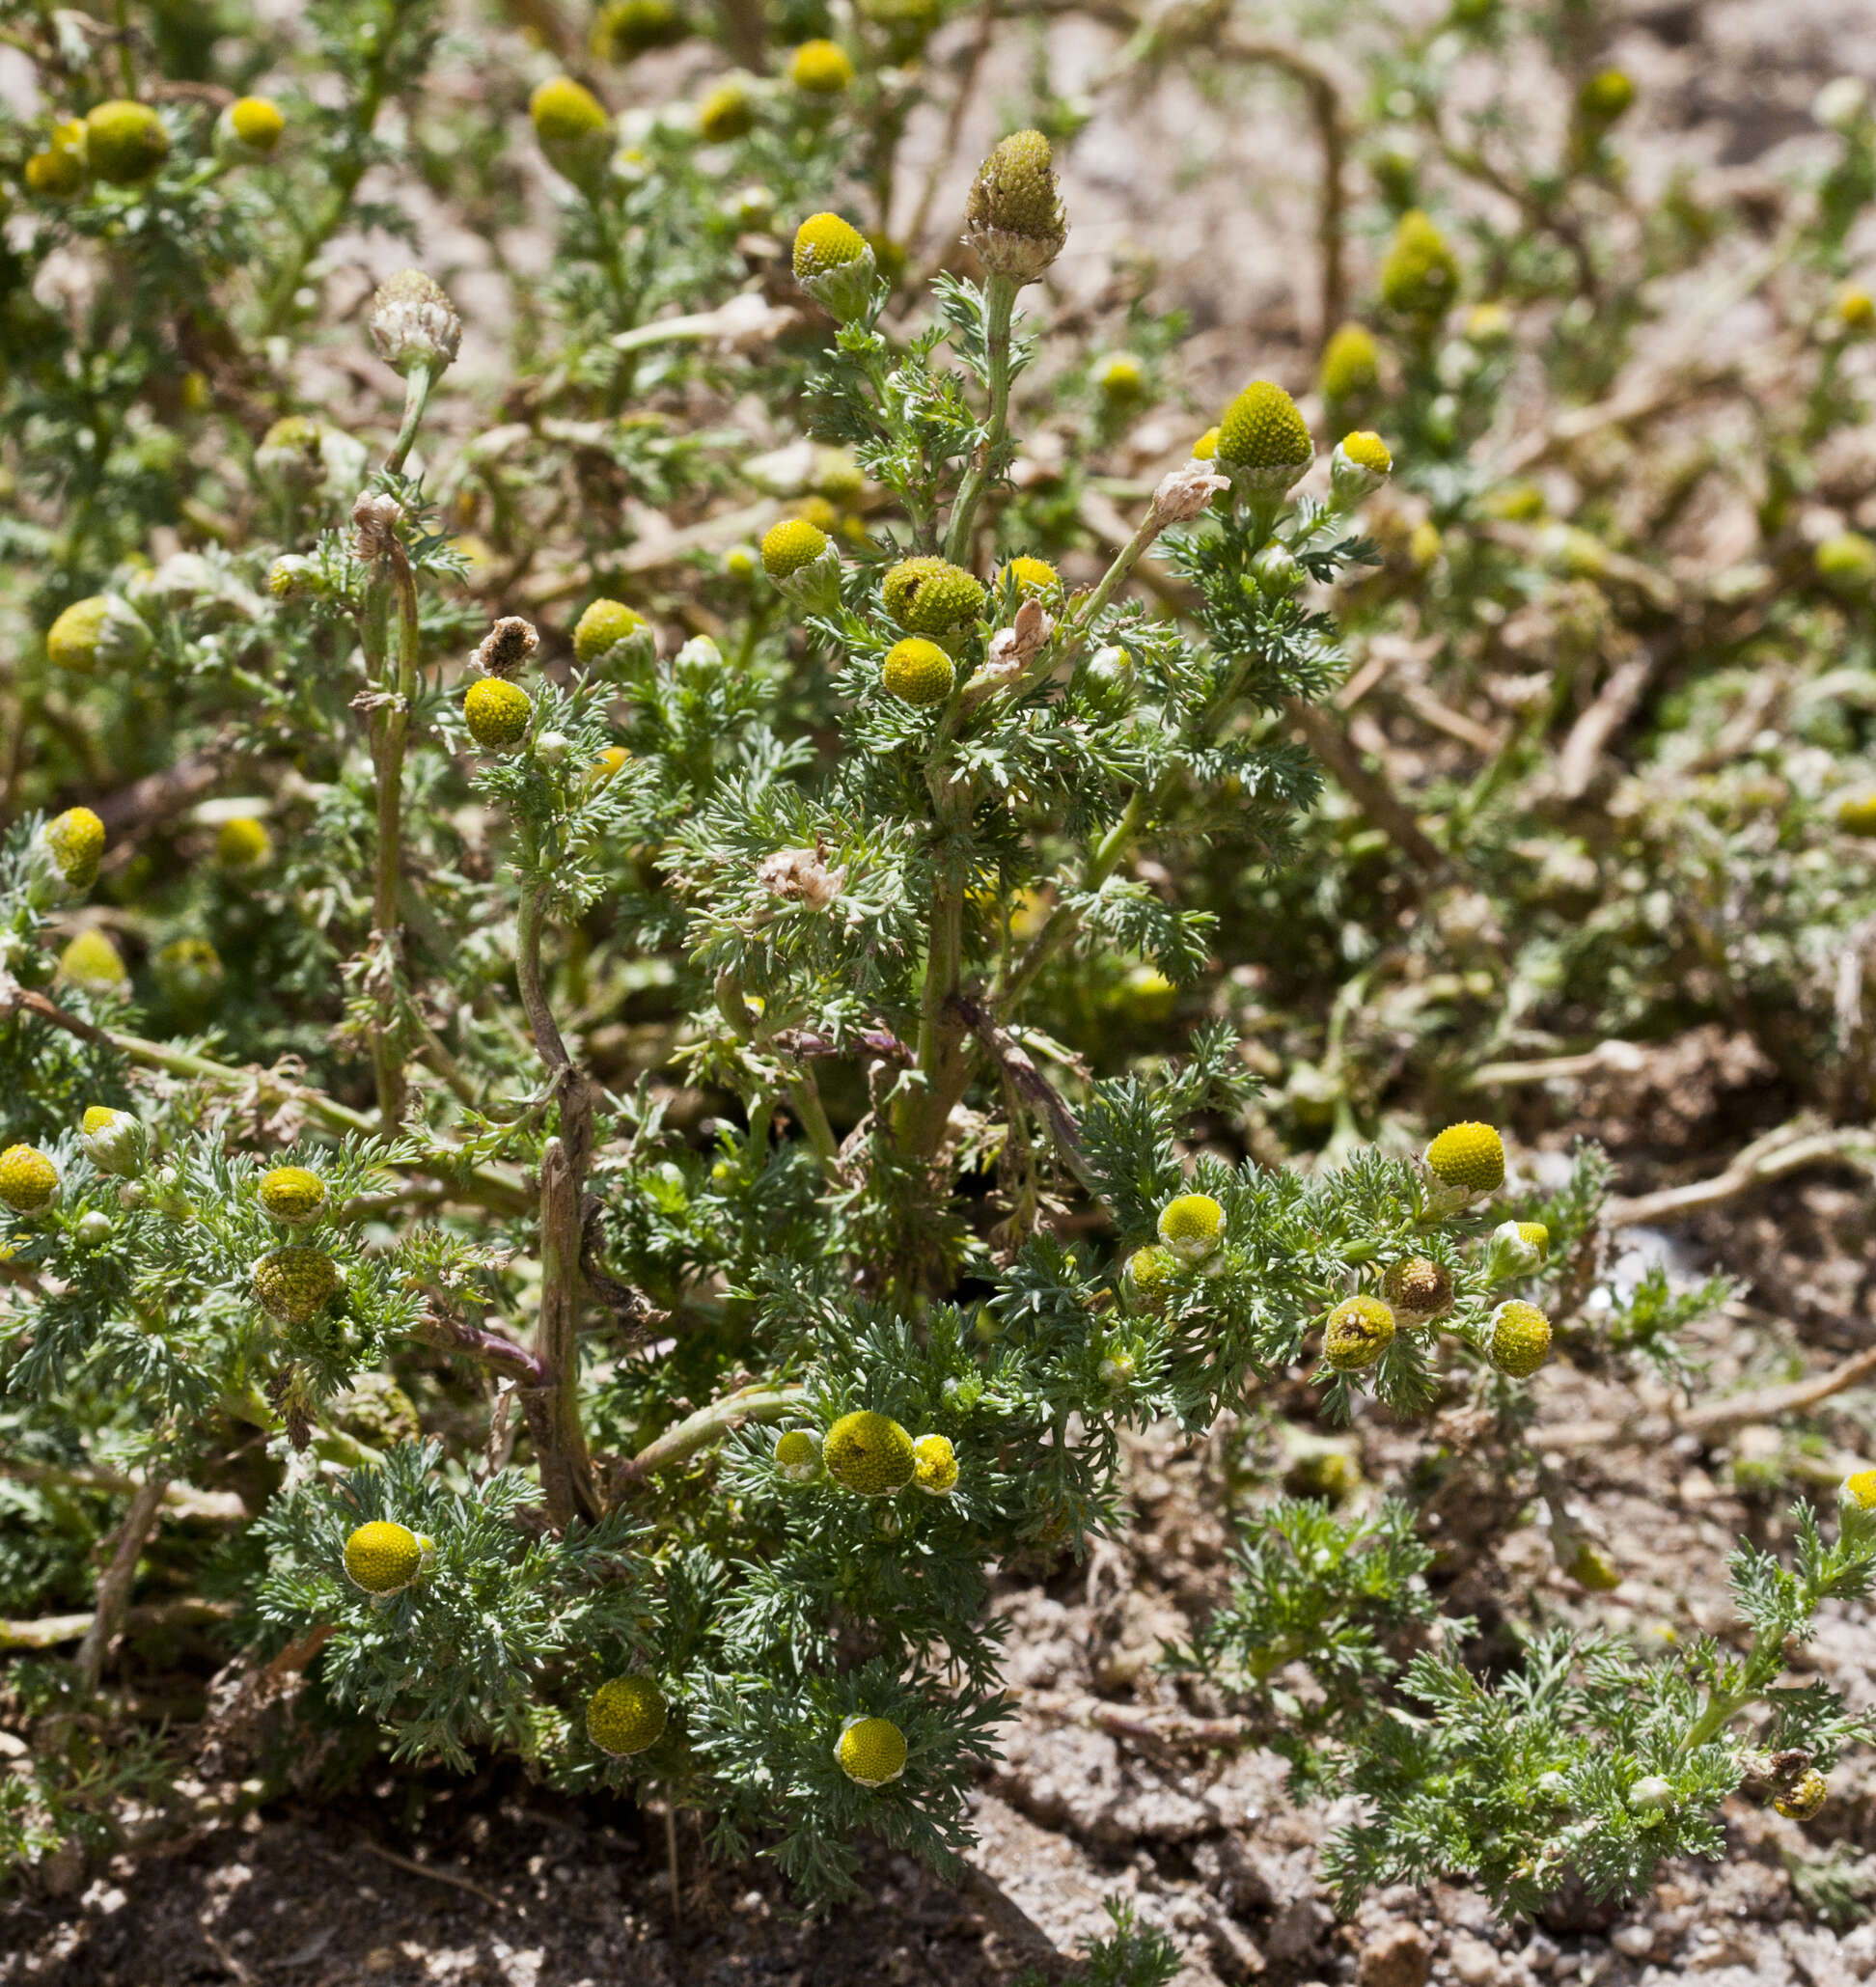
92 961
571 127
413 323
95 1228
1192 1227
1361 464
917 671
552 747
934 1465
820 68
1150 1271
1604 97
798 1455
1650 1794
1841 104
103 630
498 713
835 265
726 112
29 1181
626 1715
1276 573
1263 443
870 1750
627 28
1013 214
385 1558
1857 1504
250 128
74 842
800 558
1846 564
115 1142
124 142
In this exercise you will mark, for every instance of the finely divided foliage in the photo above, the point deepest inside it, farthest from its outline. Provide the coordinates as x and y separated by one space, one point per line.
734 1419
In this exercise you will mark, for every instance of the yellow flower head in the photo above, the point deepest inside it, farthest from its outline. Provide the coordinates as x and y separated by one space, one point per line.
1206 447
497 713
1604 97
1368 450
1468 1155
1192 1227
917 671
74 841
105 629
791 545
293 1284
928 596
1860 1488
1856 308
613 760
1150 1270
820 68
244 843
1521 1340
934 1465
1535 1234
728 112
59 170
27 1179
1846 563
869 1454
1351 364
1032 575
605 628
1356 1334
95 963
629 27
1263 441
124 142
292 1194
383 1558
870 1750
564 112
626 1715
1120 378
1419 276
258 121
824 243
798 1454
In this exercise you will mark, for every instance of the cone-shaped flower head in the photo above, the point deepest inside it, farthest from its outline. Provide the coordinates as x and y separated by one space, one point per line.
1013 213
870 1750
1351 364
497 713
820 68
1419 276
1361 464
103 630
630 27
414 323
1264 442
124 142
917 671
1604 97
1032 576
59 170
934 1465
1520 1340
74 843
572 127
1150 1270
1846 563
1417 1290
92 961
255 123
798 1454
726 112
294 1195
612 636
27 1179
1192 1227
1468 1156
833 263
1856 308
928 596
115 1142
383 1558
1805 1796
869 1454
1859 1490
293 1284
800 558
626 1715
244 843
1357 1333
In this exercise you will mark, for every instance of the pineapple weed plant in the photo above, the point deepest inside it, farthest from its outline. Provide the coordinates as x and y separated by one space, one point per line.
328 1242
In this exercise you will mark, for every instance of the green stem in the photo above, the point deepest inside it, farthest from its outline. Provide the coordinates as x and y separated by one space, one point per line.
417 389
998 306
390 733
708 1425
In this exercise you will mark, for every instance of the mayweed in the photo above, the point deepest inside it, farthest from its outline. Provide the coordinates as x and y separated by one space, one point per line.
124 141
1351 364
383 1558
294 1195
1356 1333
103 630
1192 1227
934 1465
1419 276
917 671
497 713
1013 213
74 843
29 1181
59 170
115 1142
1417 1290
870 1750
820 68
92 961
1520 1339
798 1454
243 845
1031 576
1468 1157
295 1283
726 112
571 127
253 124
1805 1796
869 1454
1264 442
928 596
833 263
626 1715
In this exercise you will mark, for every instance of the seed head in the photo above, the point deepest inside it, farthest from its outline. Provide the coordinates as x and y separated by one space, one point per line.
1192 1227
124 142
917 671
1150 1270
1421 275
414 323
115 1142
294 1195
1356 1334
1183 493
626 1715
1013 214
29 1182
571 126
103 630
255 124
75 843
1468 1155
383 1558
801 876
870 1750
820 68
1351 364
934 1465
835 265
294 1283
1417 1290
1263 443
497 713
59 170
728 112
1521 1340
798 1454
244 843
95 963
928 596
1805 1796
869 1454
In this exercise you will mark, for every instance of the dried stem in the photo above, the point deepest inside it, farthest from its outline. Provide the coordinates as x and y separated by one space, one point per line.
114 1588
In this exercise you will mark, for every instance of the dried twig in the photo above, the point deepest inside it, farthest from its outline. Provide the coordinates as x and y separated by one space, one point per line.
1771 1158
114 1587
1712 1416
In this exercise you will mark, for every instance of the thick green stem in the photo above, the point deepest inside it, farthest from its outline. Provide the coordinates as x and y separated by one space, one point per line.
417 390
390 733
708 1425
998 306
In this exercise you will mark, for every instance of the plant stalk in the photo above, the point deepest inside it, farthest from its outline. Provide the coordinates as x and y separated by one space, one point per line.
998 306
